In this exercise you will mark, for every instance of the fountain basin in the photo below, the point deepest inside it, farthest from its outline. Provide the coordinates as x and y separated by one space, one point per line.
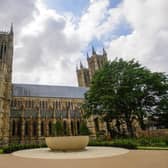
67 143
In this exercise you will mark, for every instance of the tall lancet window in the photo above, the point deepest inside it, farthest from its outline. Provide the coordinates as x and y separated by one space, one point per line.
1 51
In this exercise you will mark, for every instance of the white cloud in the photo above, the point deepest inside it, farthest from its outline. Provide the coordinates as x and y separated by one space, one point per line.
52 44
16 11
90 21
49 45
147 43
46 48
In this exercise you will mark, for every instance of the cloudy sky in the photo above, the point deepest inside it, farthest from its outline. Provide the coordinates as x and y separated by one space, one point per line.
52 36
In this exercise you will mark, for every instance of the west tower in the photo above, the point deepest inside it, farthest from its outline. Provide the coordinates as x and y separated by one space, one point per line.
6 59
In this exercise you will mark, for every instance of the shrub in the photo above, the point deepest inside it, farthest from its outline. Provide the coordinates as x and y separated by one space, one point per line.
84 130
14 147
128 145
133 143
115 143
153 141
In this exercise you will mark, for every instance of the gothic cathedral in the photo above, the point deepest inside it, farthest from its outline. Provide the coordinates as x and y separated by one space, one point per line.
27 111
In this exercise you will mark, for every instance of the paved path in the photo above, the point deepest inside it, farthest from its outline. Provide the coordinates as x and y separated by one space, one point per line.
133 159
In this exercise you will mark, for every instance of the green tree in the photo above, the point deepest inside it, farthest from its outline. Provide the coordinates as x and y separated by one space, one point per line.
162 112
123 89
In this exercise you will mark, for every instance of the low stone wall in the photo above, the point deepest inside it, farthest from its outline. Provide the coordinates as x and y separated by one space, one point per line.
153 133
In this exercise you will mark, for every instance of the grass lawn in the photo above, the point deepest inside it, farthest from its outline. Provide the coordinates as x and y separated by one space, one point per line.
152 148
144 143
138 148
1 151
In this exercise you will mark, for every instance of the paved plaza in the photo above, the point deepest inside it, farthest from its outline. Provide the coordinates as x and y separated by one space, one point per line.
88 153
132 159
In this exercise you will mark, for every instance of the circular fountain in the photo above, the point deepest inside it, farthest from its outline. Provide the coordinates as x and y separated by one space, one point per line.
67 143
87 153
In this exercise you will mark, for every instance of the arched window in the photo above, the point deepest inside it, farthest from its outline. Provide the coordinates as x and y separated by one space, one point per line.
13 127
78 127
34 128
50 128
19 128
43 104
72 127
1 51
42 128
65 128
26 128
5 49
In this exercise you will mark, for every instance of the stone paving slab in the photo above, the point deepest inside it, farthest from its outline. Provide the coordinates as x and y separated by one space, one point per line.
132 159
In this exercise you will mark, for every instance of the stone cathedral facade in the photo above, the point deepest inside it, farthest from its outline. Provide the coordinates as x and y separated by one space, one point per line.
27 112
6 56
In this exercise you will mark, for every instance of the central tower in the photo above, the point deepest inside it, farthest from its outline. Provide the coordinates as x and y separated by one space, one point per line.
95 62
6 59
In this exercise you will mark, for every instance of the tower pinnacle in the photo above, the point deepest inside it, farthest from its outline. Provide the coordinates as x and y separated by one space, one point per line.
93 51
104 52
81 66
87 55
11 28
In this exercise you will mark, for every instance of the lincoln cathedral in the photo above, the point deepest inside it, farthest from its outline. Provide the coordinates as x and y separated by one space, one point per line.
27 112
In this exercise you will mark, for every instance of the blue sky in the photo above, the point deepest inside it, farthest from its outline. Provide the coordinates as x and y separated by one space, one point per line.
77 8
74 6
122 29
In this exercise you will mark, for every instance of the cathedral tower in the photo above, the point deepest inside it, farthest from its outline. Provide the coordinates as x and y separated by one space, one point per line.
95 62
6 57
83 76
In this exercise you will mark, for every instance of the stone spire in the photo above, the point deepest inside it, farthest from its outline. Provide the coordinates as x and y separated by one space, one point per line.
87 55
104 52
93 51
11 29
81 65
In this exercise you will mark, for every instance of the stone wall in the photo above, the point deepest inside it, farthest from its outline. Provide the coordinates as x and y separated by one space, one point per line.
32 117
153 133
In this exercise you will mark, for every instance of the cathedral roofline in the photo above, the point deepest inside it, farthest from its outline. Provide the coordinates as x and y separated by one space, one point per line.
32 84
50 91
4 33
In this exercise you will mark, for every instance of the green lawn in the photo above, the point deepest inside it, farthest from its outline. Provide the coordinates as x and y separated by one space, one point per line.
144 143
152 148
1 151
138 148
